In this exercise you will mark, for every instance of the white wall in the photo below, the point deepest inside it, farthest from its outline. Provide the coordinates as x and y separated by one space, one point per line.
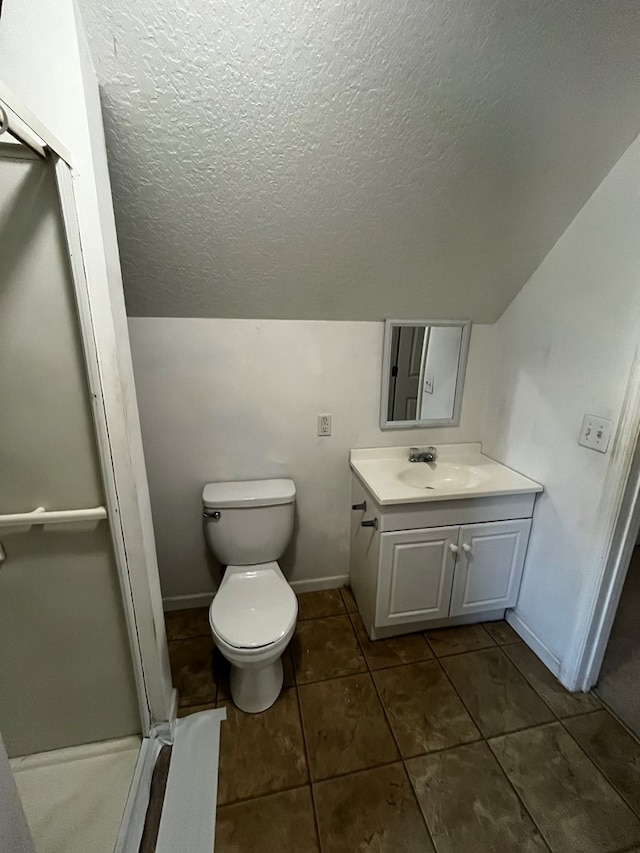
238 399
562 349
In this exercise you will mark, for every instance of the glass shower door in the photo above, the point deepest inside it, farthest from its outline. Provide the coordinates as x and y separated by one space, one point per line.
66 675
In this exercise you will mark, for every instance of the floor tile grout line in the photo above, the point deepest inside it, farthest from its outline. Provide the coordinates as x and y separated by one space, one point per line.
464 704
378 694
529 683
559 717
600 770
245 800
534 688
360 646
426 631
418 804
377 690
331 677
400 662
314 807
482 736
619 720
477 724
517 793
323 615
397 760
386 716
464 652
485 740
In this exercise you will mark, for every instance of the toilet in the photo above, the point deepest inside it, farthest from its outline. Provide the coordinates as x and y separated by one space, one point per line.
248 525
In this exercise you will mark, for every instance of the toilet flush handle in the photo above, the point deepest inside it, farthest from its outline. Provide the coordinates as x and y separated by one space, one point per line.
212 513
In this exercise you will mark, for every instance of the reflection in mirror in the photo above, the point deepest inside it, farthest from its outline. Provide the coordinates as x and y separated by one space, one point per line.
423 372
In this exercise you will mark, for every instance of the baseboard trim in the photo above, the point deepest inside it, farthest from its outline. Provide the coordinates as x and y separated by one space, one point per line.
534 642
316 584
186 602
204 599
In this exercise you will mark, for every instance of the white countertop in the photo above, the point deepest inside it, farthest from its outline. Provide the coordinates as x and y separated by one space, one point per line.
379 468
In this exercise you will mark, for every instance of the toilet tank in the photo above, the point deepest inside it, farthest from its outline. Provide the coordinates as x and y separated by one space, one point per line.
250 521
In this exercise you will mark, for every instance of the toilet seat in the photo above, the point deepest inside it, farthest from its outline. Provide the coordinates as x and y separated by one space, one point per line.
254 607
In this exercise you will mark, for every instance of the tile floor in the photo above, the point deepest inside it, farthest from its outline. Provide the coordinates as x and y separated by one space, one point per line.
453 740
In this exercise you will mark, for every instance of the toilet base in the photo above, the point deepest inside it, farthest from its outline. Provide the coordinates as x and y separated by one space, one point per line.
256 687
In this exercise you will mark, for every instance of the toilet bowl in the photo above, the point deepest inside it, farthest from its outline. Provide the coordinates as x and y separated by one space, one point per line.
252 619
253 614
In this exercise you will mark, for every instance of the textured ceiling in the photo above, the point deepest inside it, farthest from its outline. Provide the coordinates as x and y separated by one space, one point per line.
355 159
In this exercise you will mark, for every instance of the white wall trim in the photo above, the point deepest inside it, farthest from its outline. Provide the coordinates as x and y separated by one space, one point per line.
204 599
30 130
316 584
101 427
186 602
534 642
620 514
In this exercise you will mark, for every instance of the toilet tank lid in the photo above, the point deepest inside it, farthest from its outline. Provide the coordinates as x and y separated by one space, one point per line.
248 493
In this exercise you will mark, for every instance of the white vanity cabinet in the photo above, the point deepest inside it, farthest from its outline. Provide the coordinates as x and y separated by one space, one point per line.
438 572
439 563
489 565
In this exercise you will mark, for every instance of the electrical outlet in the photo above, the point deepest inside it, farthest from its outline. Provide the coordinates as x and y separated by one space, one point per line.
428 383
595 433
324 424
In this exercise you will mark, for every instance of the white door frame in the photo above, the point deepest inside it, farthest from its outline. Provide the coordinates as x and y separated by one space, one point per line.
620 521
134 555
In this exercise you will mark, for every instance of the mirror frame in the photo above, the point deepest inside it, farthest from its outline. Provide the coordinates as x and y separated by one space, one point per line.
462 368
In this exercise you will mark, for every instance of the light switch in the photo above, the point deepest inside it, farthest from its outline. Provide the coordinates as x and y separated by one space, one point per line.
428 383
595 433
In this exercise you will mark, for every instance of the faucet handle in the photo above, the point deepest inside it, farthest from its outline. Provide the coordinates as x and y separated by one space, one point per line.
414 452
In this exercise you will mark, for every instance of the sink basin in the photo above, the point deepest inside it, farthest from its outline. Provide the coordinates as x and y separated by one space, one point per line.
460 471
443 476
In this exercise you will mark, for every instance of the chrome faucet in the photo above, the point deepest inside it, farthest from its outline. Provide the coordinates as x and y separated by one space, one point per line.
417 455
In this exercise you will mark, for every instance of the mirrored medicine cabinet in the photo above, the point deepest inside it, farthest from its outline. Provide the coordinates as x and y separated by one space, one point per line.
423 368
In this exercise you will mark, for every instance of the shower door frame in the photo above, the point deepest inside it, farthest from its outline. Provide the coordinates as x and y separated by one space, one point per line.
157 699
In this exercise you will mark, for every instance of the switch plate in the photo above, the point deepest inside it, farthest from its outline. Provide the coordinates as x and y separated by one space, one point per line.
595 433
428 383
324 424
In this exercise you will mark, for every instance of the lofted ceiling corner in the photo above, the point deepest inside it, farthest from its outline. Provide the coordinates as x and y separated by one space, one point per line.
355 159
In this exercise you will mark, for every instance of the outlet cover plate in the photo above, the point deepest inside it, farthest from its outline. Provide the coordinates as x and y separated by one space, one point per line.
324 425
595 433
428 383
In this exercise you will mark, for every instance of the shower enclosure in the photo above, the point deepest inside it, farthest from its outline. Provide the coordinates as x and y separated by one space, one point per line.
84 672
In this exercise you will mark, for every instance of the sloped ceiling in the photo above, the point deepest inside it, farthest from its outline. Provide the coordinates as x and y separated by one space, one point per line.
355 159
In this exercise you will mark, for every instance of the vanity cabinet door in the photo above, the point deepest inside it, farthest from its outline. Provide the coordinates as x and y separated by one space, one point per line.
415 575
489 566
